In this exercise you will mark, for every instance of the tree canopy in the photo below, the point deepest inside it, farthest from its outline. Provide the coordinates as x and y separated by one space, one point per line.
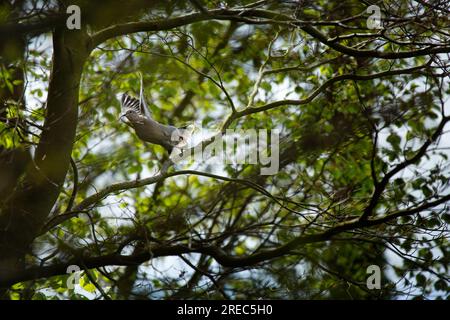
361 103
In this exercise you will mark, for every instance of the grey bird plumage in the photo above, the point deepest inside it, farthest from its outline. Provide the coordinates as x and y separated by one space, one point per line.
149 130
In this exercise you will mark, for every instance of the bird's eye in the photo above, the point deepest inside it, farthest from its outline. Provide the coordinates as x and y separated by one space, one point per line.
181 138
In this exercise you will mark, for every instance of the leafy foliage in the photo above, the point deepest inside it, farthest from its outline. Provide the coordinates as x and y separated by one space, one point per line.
364 169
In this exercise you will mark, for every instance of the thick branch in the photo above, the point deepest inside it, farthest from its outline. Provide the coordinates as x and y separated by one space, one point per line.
269 17
24 213
381 186
218 254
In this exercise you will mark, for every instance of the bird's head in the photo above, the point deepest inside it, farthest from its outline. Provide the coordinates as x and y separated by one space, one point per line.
130 108
130 115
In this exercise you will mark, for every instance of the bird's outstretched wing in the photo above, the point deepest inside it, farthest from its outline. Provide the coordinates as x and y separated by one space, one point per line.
145 111
130 103
138 106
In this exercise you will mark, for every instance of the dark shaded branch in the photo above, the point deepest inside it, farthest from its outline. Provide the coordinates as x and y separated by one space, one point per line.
73 195
270 17
381 186
319 90
217 253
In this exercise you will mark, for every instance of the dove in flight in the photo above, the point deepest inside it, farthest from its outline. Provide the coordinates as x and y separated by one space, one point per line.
149 130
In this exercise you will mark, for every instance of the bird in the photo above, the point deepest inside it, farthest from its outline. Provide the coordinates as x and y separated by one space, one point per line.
138 116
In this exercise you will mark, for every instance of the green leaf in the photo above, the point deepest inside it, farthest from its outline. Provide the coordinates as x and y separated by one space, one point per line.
394 139
90 287
421 280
